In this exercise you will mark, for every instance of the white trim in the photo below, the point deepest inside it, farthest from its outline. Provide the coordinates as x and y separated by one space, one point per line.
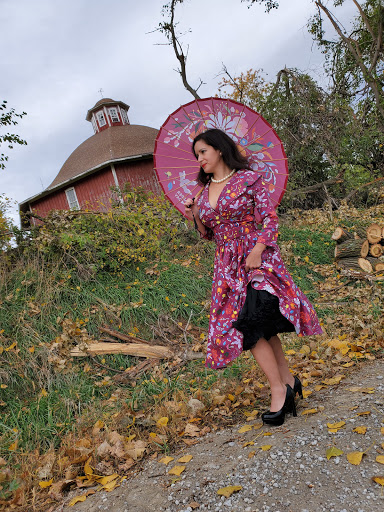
98 118
117 115
107 116
115 176
75 203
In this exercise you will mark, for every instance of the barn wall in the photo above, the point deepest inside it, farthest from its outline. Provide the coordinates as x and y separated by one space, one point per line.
94 192
139 173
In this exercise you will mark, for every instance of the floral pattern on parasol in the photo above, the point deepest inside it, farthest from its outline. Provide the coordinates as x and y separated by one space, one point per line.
177 167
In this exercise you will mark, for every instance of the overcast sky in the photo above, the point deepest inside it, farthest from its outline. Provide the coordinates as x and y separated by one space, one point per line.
57 54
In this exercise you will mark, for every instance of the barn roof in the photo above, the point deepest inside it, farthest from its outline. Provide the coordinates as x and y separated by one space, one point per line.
108 146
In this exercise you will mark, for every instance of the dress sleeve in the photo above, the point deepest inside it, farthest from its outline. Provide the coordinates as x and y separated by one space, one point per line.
267 213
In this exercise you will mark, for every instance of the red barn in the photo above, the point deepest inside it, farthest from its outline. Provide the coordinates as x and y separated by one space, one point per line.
117 153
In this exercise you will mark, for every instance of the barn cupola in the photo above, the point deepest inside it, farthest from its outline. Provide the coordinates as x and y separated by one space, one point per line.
107 113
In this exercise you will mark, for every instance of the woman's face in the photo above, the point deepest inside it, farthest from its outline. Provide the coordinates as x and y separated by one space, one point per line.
207 156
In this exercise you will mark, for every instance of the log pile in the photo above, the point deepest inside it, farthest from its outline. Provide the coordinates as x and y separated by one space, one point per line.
361 250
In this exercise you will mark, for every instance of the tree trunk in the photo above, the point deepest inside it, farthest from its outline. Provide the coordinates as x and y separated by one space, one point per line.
341 236
376 250
352 247
355 264
374 233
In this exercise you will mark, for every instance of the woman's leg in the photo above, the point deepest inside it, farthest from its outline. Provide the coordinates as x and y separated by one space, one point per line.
285 375
265 357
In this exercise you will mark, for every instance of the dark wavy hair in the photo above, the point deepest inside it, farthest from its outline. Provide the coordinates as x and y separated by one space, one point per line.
229 151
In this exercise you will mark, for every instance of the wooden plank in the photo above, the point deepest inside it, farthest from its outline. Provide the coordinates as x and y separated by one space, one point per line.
122 336
131 349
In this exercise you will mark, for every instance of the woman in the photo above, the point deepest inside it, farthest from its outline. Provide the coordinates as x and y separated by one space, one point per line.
253 295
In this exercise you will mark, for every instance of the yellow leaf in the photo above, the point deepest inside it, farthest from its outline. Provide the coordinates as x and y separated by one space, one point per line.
309 411
378 479
380 459
88 471
290 352
110 485
365 413
185 459
266 447
267 434
43 392
46 483
104 480
360 430
336 425
98 425
251 454
318 387
306 393
77 499
176 470
31 349
166 460
3 386
13 447
162 422
231 397
258 426
347 365
382 430
355 457
11 347
246 428
333 452
305 350
249 443
228 491
333 381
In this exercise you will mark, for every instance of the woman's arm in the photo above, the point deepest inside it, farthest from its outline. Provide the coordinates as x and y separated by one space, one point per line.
269 234
192 213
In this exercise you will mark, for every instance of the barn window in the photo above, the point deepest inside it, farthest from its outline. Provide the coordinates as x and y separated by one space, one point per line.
114 115
73 203
101 118
124 116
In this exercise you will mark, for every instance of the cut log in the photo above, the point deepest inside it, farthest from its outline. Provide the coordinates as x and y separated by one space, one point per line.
340 235
373 262
352 247
379 267
361 233
131 349
355 264
376 250
122 336
374 233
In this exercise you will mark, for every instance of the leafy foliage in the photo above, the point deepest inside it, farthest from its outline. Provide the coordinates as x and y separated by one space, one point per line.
8 118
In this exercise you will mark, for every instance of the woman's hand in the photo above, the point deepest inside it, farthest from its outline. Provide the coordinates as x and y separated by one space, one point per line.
190 208
254 258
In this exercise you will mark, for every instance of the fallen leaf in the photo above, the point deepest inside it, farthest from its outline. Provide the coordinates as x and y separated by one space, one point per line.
309 411
378 480
355 457
336 425
249 443
77 499
228 491
380 459
185 459
166 460
176 470
360 430
365 413
306 393
332 381
333 452
162 422
266 447
46 483
191 430
246 428
382 430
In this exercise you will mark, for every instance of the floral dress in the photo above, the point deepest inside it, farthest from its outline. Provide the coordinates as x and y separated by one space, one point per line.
233 226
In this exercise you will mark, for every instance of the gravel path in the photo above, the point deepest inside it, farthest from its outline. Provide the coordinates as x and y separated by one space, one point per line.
294 475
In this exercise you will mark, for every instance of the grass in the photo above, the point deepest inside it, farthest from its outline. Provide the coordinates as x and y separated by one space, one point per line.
47 398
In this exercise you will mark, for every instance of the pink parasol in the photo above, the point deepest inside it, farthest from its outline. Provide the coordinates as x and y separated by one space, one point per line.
177 167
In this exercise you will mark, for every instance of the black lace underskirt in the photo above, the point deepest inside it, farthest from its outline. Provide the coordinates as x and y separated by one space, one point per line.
260 317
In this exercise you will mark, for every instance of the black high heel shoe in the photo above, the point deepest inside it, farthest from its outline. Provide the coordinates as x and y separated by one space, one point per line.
277 418
297 387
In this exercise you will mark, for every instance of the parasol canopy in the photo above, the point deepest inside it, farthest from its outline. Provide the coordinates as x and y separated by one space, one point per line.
177 167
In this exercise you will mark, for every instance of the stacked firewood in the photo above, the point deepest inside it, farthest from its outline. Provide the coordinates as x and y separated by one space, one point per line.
361 250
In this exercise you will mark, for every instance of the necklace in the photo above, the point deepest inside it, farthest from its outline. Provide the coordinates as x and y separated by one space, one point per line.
225 178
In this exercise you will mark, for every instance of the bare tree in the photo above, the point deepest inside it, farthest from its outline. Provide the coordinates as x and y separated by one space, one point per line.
168 28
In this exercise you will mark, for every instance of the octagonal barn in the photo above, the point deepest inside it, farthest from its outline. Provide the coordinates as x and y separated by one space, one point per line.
117 153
